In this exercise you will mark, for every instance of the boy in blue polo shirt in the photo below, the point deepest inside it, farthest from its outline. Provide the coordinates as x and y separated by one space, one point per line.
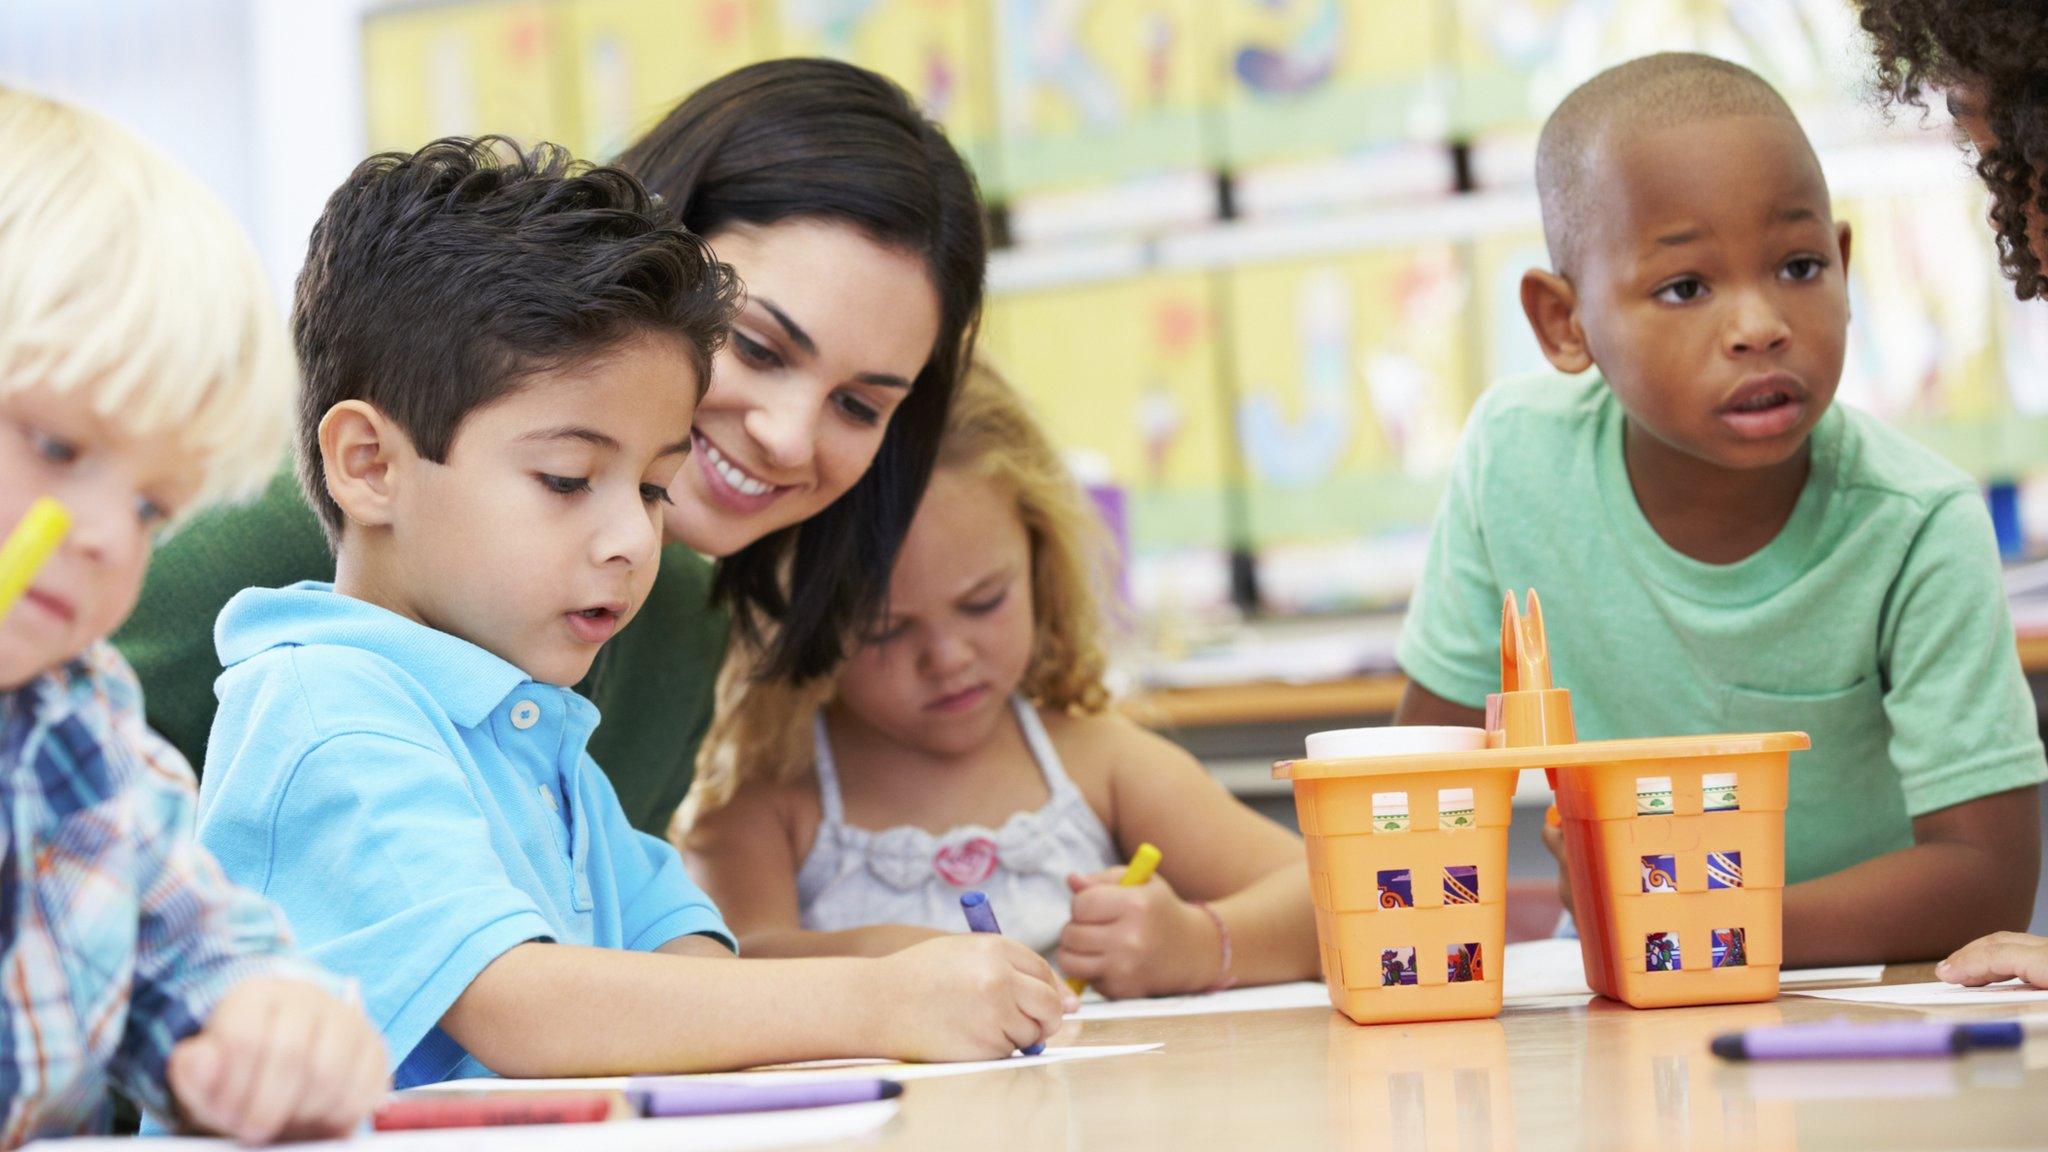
502 358
1719 547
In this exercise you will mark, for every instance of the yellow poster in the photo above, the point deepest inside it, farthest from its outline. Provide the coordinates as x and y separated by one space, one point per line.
1352 382
464 70
937 49
1507 347
631 61
1124 373
1315 77
1090 91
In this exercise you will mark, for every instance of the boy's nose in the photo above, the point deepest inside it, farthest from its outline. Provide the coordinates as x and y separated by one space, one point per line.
632 534
1757 326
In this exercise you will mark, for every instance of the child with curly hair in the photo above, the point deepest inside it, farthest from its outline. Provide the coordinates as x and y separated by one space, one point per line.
966 745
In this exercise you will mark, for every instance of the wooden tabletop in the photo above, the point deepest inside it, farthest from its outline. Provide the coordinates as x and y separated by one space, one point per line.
1564 1073
1269 702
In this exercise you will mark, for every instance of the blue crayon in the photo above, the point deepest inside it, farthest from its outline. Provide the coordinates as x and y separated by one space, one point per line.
981 917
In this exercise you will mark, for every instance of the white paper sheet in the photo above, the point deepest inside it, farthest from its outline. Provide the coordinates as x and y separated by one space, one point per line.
1534 968
1855 973
1933 995
1542 968
696 1133
814 1071
1306 994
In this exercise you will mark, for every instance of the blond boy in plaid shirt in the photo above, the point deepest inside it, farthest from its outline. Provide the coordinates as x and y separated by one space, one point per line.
142 374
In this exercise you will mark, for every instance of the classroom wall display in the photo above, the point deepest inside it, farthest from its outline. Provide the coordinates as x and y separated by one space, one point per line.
1307 78
1097 91
631 61
1507 348
1351 382
1125 376
939 50
464 69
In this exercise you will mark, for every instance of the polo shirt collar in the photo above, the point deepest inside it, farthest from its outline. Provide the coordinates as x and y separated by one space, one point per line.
467 681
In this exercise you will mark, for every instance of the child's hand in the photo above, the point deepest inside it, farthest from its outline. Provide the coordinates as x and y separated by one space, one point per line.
1553 839
1999 956
279 1058
969 997
1139 941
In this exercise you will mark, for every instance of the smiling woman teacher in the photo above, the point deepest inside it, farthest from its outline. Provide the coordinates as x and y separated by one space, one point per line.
857 231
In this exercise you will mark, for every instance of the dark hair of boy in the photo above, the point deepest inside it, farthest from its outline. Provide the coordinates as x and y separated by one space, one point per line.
1992 55
439 281
823 140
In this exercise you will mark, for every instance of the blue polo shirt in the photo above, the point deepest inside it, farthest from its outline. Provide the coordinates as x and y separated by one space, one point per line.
418 807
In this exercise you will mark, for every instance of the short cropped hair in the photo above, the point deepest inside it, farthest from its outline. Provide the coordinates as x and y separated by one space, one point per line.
439 282
123 279
1647 94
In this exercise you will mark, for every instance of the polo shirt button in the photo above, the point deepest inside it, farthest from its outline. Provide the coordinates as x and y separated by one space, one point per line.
525 714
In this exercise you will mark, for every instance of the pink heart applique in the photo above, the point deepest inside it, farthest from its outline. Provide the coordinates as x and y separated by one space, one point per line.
967 863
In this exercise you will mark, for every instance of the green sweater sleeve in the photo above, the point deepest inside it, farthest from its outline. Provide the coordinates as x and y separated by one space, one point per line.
169 637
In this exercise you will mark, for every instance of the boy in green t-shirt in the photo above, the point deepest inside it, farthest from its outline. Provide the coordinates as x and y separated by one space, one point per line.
1718 547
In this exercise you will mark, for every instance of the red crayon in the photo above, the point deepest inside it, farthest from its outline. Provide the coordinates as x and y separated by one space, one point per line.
492 1111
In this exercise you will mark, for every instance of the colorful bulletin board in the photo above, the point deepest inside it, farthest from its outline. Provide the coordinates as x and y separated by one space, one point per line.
630 61
1506 347
1353 379
1092 91
1126 372
1306 78
937 49
464 69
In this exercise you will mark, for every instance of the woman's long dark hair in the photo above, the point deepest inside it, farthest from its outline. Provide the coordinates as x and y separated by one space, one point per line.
825 140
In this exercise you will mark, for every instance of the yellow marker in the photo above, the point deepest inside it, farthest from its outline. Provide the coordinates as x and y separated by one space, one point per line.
1144 862
28 546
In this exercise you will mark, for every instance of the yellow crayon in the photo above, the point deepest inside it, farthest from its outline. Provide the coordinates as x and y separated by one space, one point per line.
28 546
1144 862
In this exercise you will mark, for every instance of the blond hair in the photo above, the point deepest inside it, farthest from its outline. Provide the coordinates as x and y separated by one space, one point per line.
124 279
762 728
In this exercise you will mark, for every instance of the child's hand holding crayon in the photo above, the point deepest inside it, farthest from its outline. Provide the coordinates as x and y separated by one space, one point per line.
1999 956
1137 940
967 997
279 1058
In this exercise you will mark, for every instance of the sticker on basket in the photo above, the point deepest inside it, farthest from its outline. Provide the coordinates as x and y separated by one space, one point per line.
1660 952
1463 962
1461 884
1660 874
1397 966
1397 889
1724 870
1729 948
1454 808
1717 792
1653 795
1390 811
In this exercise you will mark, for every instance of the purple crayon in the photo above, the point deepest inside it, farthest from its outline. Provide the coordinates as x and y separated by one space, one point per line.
684 1098
1841 1039
981 917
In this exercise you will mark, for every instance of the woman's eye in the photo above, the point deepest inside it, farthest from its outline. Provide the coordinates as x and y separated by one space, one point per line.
655 494
858 409
755 353
1682 291
565 485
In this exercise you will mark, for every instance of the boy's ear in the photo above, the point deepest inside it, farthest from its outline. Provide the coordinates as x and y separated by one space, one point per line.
360 451
1552 306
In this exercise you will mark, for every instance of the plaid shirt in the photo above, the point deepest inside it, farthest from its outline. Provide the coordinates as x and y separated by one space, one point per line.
118 932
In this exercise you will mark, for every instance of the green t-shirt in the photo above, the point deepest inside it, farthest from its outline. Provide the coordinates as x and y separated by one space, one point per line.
1876 621
652 683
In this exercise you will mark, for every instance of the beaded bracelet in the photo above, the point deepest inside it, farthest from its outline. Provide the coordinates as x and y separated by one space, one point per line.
1223 979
